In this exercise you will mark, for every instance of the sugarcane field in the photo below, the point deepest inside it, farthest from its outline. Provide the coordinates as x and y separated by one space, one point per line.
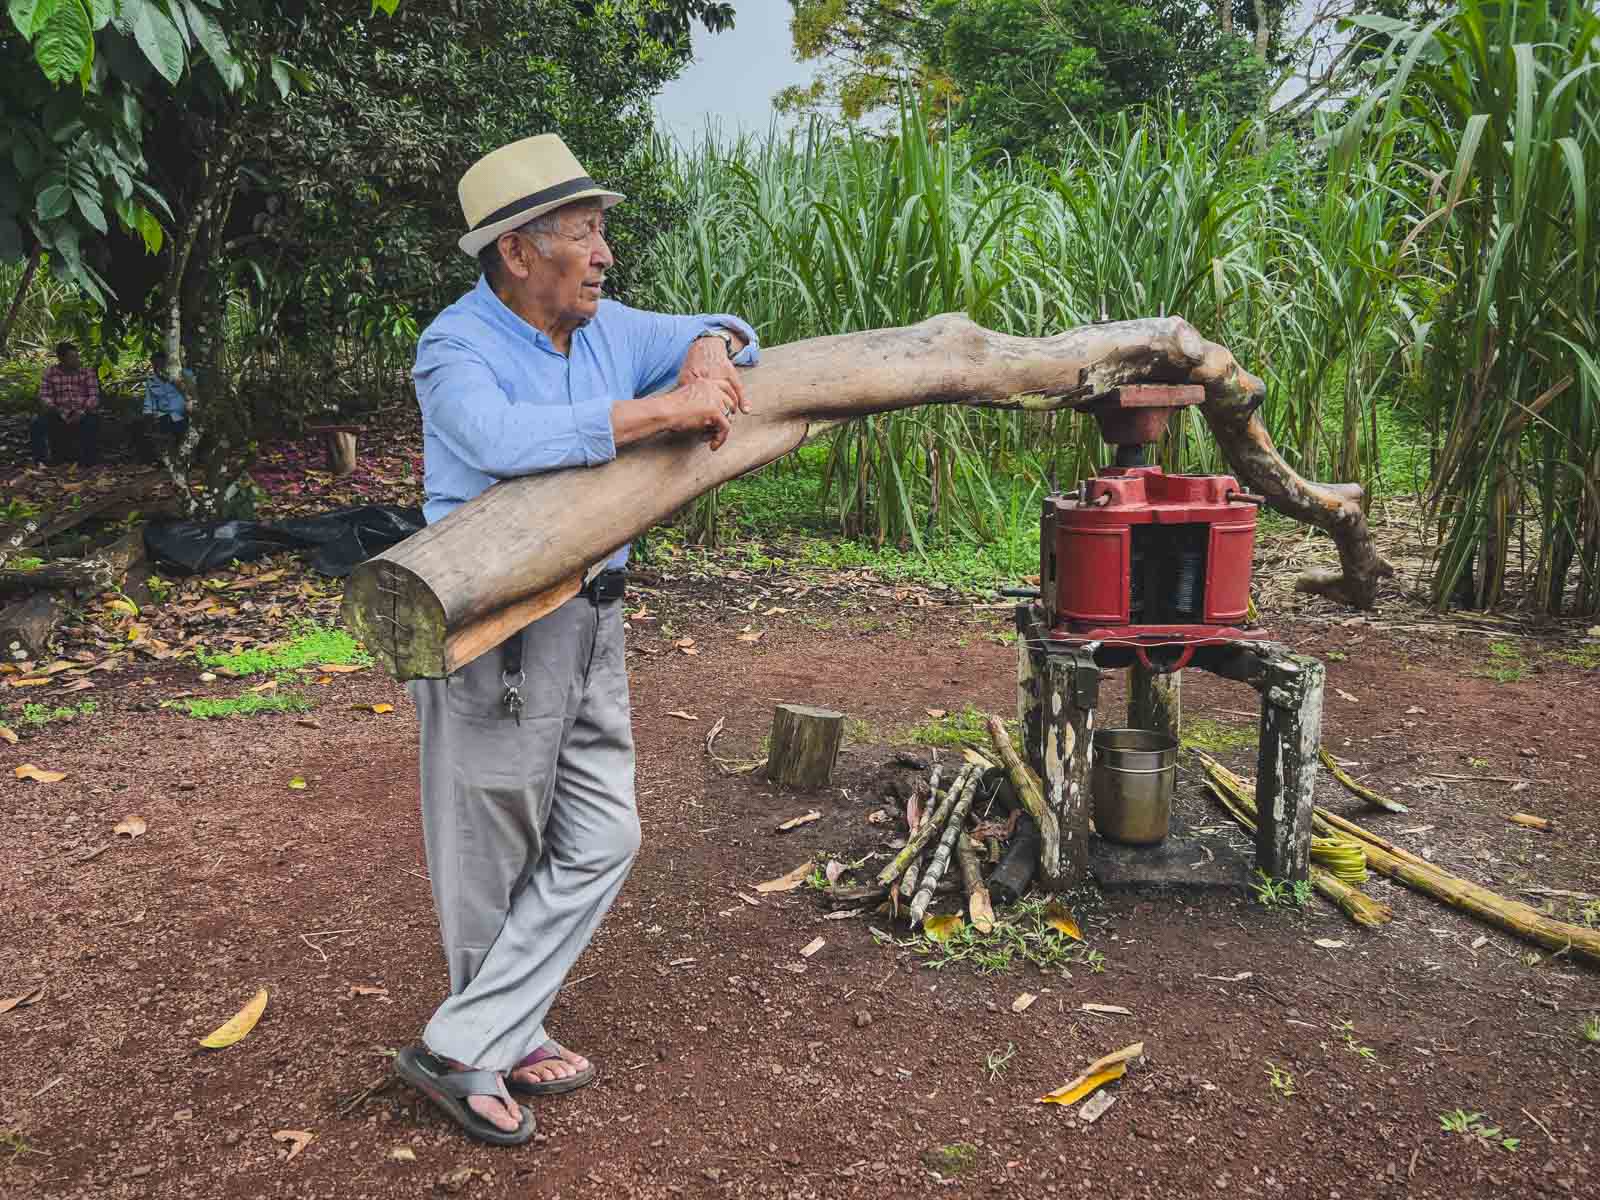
692 598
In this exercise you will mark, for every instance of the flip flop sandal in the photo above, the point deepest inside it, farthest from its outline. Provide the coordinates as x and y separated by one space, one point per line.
549 1087
449 1088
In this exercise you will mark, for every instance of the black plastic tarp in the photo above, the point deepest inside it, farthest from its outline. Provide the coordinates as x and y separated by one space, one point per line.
341 540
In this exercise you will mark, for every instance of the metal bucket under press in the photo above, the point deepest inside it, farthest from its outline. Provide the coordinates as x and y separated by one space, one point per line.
1131 784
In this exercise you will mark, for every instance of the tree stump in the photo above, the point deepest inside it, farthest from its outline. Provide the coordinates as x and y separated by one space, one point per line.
805 744
1069 690
340 443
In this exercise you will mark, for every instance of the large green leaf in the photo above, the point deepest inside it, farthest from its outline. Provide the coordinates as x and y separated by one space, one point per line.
101 12
53 202
157 36
29 16
65 46
215 43
91 208
148 228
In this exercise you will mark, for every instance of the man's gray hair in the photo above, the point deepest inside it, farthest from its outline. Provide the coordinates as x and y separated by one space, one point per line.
538 230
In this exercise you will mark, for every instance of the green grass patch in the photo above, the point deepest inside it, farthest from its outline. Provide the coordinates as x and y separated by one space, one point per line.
1586 656
309 645
1201 733
1505 664
1023 934
242 706
956 1158
969 727
43 714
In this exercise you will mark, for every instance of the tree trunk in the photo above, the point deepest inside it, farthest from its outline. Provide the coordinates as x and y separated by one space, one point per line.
1155 700
22 294
442 597
97 572
805 745
26 626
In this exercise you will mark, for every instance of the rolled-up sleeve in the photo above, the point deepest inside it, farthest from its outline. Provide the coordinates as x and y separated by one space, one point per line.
662 341
464 406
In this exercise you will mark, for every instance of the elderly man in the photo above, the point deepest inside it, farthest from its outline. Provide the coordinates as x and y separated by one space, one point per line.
527 752
69 395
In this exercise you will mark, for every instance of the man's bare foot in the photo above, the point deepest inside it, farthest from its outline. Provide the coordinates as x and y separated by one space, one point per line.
562 1066
501 1114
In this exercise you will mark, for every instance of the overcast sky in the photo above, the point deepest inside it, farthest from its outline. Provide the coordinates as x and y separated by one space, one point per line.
734 74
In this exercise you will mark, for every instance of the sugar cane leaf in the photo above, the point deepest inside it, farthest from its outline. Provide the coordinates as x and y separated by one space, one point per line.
1058 917
1084 1085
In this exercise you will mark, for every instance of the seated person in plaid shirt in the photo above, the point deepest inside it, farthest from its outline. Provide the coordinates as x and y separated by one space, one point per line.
70 396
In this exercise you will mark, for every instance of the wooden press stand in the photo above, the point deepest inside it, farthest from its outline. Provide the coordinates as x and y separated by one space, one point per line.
1058 691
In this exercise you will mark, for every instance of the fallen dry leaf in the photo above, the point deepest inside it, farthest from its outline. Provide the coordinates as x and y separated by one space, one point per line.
802 819
1346 696
362 989
1103 1071
236 1026
812 947
1529 821
754 635
1416 710
37 682
298 1140
1113 1009
787 883
380 709
6 735
750 900
942 927
938 714
1330 943
1060 918
1023 1002
403 1154
878 816
22 1001
123 606
29 771
131 827
338 668
270 685
77 685
682 715
833 870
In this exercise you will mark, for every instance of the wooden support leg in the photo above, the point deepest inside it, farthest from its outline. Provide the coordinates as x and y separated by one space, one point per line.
1069 687
1155 700
1030 663
341 453
1286 768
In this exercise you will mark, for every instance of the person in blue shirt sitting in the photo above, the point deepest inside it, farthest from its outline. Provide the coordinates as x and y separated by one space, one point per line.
528 806
166 409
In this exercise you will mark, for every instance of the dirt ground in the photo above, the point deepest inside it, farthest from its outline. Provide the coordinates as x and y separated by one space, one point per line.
731 1066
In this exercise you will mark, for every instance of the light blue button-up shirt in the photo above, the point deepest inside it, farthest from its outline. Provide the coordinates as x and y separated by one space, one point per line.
163 399
499 400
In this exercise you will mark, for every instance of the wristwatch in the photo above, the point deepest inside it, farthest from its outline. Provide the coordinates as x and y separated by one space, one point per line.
727 339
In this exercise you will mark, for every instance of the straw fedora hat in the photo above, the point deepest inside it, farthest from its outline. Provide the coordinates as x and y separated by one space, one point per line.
509 187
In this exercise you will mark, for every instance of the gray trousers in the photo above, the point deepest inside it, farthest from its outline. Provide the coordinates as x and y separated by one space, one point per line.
530 829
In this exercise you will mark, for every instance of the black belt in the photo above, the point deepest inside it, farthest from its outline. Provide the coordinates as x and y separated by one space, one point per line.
605 588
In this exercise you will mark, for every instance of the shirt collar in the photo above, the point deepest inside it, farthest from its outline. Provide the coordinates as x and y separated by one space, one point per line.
494 308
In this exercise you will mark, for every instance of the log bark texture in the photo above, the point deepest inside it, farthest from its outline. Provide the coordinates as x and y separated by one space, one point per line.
1286 764
26 626
449 593
98 572
805 745
1155 700
1031 797
1068 740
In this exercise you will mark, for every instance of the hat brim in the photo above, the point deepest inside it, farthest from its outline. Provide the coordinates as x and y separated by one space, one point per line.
475 240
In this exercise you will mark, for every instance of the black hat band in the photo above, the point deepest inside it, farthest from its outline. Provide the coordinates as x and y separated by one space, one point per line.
559 192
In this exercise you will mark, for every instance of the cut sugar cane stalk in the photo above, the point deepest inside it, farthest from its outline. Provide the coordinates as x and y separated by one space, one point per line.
1359 790
1026 785
937 865
979 911
925 832
908 881
1333 851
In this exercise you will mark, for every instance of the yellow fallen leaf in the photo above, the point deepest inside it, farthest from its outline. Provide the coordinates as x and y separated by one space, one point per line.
29 771
57 667
1529 821
38 682
297 784
298 1140
787 883
270 685
1059 918
236 1026
940 928
380 709
135 632
338 668
7 735
131 827
123 606
1099 1073
324 680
